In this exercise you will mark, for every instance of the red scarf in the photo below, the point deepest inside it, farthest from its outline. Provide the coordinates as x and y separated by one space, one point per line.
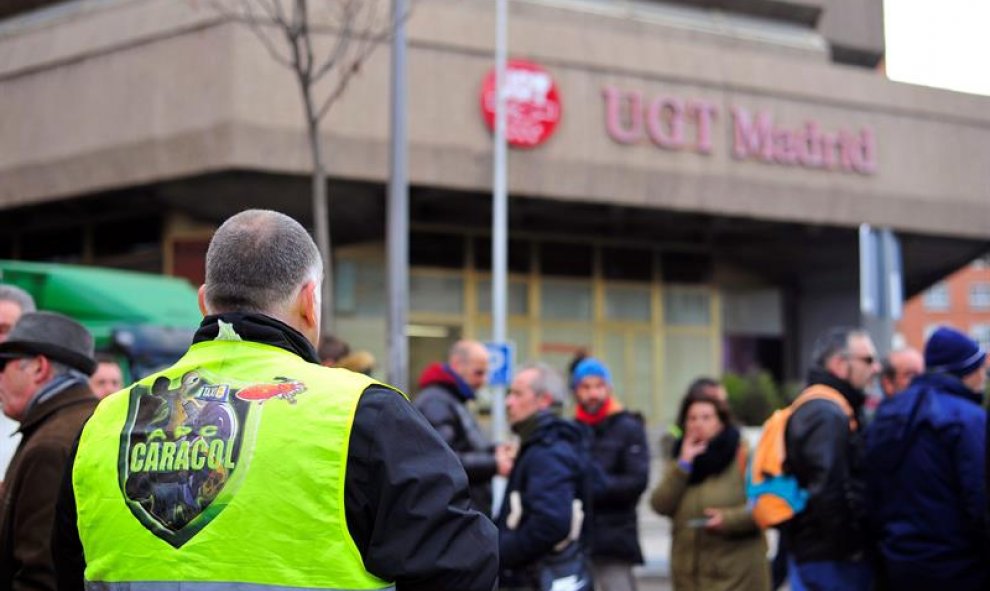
609 407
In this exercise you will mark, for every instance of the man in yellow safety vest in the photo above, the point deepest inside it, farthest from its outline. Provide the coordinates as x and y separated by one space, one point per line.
248 465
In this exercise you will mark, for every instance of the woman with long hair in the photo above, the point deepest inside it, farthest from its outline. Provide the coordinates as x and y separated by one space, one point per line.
716 544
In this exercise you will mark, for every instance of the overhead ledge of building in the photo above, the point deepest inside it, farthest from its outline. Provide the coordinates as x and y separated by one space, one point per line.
111 94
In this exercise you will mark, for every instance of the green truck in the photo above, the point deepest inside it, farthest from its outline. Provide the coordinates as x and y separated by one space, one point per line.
144 318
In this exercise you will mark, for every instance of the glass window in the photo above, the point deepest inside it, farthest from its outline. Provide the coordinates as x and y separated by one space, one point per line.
519 255
438 294
643 381
359 288
566 259
981 334
627 303
752 312
979 296
628 264
518 297
566 300
613 354
686 357
687 306
686 267
936 297
559 344
427 249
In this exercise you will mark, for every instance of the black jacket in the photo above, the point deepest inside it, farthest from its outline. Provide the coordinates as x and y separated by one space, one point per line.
826 456
550 472
622 458
405 493
444 407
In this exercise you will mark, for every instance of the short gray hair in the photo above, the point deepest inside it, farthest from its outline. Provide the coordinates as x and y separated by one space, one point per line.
12 293
547 381
834 341
257 260
57 368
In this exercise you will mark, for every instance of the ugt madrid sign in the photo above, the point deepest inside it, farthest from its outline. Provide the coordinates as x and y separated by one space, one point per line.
531 100
677 124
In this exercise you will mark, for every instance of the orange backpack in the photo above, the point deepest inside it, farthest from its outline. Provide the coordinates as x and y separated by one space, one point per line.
774 496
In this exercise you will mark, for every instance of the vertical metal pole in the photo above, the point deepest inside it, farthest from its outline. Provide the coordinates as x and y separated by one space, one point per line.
500 223
398 209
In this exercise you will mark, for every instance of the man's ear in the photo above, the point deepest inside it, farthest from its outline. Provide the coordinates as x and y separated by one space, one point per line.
41 373
308 305
201 296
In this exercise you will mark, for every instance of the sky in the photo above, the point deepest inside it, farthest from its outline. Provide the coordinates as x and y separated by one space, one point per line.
941 43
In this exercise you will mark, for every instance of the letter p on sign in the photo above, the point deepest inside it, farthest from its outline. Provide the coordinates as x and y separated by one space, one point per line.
501 358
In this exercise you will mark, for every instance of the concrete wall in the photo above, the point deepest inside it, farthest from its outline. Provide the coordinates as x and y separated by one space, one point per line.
854 28
123 93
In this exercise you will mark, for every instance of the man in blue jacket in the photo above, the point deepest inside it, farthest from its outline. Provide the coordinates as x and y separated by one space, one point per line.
540 523
925 472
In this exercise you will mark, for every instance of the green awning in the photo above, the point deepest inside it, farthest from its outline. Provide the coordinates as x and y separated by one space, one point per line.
102 299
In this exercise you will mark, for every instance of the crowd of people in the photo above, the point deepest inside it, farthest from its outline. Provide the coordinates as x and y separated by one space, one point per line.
269 456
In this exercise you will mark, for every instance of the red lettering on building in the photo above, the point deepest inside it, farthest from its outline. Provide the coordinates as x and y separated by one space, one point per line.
668 122
757 137
675 124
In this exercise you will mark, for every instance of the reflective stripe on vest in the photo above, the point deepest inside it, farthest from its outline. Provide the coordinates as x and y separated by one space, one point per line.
226 470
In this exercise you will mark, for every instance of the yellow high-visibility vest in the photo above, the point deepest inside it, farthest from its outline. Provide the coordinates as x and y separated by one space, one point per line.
225 470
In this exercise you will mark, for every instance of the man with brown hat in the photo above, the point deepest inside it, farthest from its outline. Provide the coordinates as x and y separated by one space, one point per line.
46 361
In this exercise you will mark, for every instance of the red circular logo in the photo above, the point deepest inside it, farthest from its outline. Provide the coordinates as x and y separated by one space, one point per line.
531 101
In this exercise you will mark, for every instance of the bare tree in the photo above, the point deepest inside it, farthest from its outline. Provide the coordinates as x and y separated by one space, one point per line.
287 28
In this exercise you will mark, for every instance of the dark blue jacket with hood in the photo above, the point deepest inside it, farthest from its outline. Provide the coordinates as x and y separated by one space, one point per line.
925 481
552 469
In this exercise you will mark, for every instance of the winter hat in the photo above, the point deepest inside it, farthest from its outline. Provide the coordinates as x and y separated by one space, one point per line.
950 351
590 367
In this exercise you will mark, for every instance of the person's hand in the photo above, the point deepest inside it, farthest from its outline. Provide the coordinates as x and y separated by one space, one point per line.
716 520
505 456
692 448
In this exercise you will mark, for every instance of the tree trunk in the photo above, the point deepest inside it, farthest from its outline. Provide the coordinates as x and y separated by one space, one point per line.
321 215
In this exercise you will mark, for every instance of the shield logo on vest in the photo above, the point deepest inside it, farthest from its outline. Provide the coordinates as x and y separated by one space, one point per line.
185 446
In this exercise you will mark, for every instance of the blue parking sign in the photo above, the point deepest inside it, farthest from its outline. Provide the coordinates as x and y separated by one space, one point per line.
501 358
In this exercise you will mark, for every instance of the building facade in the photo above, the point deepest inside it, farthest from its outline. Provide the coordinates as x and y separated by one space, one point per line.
961 300
695 209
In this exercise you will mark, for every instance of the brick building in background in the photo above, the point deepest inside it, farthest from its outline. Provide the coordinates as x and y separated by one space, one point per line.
961 300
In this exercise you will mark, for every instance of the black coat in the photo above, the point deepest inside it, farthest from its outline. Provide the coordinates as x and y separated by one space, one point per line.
455 424
826 457
551 471
622 457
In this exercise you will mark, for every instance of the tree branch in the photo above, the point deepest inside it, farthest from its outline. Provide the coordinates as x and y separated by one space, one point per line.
255 24
352 66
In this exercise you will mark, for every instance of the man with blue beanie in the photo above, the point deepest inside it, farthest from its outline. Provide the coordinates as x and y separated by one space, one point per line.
622 456
925 459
